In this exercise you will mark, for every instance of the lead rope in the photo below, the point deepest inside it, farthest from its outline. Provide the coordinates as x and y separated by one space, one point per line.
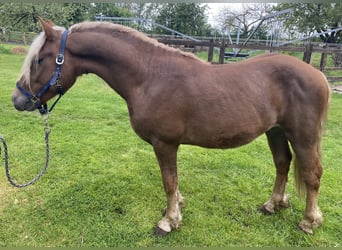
47 131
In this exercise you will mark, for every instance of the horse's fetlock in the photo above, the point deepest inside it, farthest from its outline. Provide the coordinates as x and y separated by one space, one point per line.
317 219
181 202
285 202
175 219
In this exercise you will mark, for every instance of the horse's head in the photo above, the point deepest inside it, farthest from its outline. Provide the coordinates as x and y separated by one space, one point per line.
42 76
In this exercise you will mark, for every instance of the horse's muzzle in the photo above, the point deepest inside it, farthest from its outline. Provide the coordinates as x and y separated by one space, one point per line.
21 102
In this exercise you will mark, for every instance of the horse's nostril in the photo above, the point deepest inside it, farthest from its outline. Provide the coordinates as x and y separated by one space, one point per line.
16 103
20 102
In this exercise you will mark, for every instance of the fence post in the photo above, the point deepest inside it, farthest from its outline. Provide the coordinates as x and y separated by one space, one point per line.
222 49
323 60
211 51
307 53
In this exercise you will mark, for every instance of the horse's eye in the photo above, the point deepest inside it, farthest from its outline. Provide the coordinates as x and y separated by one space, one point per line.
40 60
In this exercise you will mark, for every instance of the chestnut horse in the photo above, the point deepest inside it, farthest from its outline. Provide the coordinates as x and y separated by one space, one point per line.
175 98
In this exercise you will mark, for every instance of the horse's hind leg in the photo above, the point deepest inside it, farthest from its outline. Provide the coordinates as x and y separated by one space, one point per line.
167 158
282 156
308 171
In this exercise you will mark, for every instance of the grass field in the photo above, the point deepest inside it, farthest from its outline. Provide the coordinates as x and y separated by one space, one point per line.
103 185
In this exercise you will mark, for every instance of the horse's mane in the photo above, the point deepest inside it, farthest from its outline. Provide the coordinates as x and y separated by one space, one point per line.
108 28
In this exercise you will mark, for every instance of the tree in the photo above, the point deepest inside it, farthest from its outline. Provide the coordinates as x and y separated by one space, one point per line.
22 16
109 10
309 18
142 10
246 17
147 11
187 18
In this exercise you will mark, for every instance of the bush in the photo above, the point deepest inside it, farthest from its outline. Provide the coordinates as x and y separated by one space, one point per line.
5 49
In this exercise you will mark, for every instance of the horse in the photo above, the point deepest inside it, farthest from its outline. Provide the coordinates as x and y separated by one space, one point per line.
175 98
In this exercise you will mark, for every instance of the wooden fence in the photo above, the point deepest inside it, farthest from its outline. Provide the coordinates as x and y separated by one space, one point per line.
222 45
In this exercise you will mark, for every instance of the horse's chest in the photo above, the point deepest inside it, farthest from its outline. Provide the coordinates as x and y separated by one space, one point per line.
154 123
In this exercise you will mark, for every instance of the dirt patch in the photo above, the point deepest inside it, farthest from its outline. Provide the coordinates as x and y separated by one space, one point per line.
19 50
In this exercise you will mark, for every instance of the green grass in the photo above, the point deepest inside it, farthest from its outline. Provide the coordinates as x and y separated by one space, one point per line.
103 185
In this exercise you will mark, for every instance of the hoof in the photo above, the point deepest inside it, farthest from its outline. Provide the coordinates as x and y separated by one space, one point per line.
265 211
305 227
160 232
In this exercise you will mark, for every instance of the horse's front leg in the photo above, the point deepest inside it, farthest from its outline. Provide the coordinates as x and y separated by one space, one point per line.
167 158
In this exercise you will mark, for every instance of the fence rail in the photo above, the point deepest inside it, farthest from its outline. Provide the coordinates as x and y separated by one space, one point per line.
306 49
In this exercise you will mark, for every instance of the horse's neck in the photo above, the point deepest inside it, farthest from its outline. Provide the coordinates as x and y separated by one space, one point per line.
116 62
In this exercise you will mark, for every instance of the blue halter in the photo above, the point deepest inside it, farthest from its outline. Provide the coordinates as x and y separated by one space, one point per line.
35 99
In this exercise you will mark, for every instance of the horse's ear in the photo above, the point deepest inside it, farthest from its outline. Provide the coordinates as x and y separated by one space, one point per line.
47 26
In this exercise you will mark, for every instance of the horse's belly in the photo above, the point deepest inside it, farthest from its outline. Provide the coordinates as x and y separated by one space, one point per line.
239 127
222 140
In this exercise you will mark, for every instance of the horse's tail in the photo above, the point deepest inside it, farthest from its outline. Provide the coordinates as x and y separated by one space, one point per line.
299 180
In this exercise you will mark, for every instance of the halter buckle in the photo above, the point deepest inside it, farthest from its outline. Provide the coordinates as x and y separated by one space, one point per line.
59 59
